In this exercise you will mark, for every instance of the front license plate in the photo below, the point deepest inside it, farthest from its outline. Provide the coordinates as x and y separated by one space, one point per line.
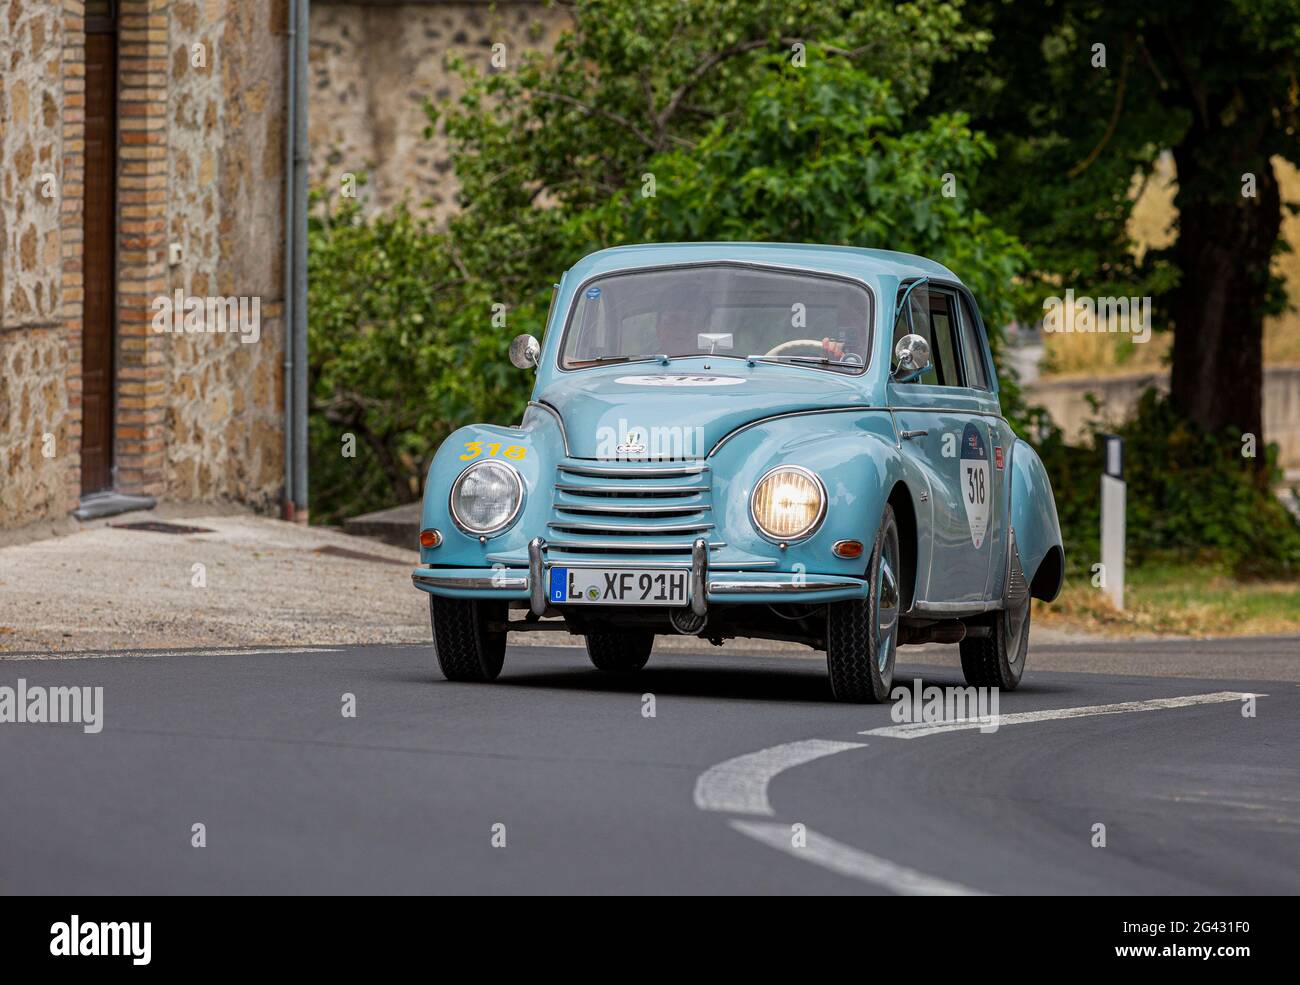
618 586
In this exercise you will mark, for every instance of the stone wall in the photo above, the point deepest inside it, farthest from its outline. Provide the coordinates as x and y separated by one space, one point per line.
38 433
373 65
225 180
1065 398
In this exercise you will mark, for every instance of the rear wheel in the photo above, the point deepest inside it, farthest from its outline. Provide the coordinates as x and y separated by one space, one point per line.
998 660
466 649
862 634
620 652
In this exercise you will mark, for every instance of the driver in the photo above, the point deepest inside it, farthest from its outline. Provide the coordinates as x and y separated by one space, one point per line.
679 327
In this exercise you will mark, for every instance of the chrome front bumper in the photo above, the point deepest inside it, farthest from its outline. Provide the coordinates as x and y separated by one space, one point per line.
702 587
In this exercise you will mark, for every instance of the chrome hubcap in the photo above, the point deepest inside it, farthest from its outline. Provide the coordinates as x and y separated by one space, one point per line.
886 607
1015 622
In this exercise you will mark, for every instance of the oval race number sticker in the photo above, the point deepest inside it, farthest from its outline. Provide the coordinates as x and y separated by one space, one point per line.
975 486
664 380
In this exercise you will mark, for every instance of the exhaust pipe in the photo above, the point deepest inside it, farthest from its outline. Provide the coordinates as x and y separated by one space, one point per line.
947 631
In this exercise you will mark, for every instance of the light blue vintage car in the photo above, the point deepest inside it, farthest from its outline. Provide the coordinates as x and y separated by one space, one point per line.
728 440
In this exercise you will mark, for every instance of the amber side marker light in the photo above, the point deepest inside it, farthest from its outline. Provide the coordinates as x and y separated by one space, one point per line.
430 538
847 548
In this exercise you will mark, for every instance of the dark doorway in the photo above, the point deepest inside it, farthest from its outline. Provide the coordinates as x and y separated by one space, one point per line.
99 266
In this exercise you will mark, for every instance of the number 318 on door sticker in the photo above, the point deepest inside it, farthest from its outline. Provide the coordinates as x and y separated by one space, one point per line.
476 448
974 478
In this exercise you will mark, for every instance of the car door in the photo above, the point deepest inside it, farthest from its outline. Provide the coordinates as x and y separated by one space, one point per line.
986 415
942 427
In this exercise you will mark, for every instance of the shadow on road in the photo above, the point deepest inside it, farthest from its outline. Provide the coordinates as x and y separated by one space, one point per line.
790 682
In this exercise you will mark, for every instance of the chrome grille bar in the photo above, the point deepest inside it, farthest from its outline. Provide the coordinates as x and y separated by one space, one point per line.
631 509
606 529
633 470
580 546
629 490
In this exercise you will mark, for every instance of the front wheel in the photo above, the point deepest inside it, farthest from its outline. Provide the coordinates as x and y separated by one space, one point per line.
620 652
862 634
467 650
998 660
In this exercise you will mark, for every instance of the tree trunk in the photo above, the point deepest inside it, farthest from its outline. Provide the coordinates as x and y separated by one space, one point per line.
1224 249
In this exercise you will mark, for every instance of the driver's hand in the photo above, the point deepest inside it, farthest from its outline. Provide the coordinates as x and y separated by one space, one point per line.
833 349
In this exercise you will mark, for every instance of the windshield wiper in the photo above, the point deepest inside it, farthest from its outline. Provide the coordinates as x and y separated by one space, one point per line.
815 360
597 360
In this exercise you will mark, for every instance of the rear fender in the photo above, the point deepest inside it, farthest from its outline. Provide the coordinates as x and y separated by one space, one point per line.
1034 520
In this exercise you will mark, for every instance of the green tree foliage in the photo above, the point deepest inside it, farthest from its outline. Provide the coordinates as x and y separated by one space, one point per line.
1082 96
759 120
403 351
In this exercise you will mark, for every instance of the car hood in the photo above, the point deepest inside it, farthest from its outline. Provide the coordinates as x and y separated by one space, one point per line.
682 410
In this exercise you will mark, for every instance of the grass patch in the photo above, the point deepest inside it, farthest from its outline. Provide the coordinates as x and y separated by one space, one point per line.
1178 600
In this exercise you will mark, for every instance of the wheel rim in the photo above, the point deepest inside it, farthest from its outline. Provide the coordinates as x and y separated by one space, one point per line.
886 604
1016 620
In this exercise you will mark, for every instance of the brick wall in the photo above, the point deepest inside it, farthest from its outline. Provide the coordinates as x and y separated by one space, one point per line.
141 242
71 234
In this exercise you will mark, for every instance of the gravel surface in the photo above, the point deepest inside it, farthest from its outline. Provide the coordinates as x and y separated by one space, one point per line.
267 583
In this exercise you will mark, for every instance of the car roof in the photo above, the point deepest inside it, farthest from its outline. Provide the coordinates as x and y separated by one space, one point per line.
852 261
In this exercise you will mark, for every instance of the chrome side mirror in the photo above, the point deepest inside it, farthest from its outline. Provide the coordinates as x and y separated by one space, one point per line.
913 356
525 351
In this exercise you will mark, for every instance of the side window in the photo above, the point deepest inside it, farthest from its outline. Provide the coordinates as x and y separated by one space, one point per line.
972 349
933 317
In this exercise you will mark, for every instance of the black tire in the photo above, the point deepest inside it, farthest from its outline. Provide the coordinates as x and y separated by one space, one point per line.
620 653
465 648
859 670
998 660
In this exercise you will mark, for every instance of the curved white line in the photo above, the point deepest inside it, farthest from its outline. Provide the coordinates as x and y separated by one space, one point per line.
847 861
739 786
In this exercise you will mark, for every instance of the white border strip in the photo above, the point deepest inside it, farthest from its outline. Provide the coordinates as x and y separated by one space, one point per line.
919 730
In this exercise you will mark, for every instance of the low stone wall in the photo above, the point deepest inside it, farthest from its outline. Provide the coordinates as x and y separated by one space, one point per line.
1066 400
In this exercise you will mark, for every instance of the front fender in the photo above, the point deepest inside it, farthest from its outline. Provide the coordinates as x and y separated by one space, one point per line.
854 454
542 442
1034 520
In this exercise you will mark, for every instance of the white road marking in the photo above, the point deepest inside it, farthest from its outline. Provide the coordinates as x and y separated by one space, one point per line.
919 730
847 861
220 652
739 786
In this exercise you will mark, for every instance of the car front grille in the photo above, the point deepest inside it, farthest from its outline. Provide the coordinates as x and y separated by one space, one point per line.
656 509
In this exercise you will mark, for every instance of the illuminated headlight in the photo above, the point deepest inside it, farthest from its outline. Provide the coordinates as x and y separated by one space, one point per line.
788 503
486 498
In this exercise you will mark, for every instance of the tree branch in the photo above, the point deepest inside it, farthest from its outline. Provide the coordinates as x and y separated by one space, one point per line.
1113 122
622 121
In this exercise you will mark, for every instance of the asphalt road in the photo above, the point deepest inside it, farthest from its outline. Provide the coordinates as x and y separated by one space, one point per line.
747 779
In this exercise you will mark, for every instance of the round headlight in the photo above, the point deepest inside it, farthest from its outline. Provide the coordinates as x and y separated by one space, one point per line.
788 503
486 497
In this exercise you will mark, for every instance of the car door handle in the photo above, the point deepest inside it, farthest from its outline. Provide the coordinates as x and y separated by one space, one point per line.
907 435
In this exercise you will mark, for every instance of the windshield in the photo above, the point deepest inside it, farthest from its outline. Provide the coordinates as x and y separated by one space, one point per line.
732 311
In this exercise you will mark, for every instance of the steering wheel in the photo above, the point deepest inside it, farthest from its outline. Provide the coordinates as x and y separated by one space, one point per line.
785 347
